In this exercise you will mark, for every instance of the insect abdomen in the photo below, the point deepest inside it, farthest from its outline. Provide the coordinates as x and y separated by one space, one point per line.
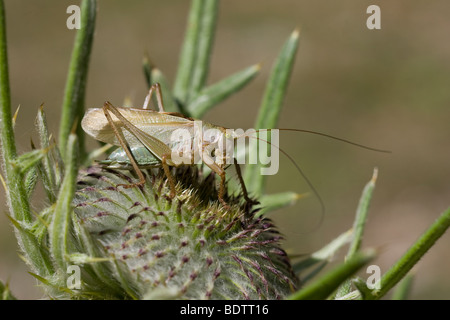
118 159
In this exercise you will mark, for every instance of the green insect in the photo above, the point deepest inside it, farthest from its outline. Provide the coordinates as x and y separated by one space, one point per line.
145 138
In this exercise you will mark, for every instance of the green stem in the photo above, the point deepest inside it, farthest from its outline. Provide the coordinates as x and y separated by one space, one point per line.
214 94
7 133
73 104
147 67
358 227
5 293
272 202
361 215
403 288
196 52
413 255
277 84
205 43
61 226
188 52
16 191
323 287
271 106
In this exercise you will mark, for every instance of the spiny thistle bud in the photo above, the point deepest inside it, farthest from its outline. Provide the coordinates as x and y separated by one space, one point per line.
150 246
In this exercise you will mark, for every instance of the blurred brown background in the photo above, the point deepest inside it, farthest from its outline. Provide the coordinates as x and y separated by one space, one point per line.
387 88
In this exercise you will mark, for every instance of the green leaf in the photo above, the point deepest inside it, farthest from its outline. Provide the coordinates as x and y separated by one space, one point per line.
361 285
204 46
188 53
314 272
162 294
403 289
51 168
42 222
147 67
412 255
102 270
96 153
323 287
361 215
73 104
195 54
82 258
48 282
154 75
271 202
127 282
50 189
358 227
325 254
5 293
271 106
29 160
35 254
170 105
216 93
354 295
21 226
31 178
60 229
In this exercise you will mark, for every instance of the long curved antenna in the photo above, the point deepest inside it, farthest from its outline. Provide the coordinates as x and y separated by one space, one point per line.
308 182
331 137
311 186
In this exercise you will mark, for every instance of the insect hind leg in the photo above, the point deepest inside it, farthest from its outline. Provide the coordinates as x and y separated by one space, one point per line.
107 107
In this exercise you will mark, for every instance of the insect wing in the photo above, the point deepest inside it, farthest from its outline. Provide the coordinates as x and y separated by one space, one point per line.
154 123
139 127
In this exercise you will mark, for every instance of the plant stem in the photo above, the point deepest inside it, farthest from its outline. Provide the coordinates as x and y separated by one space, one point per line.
270 109
403 288
16 192
5 293
196 52
188 53
361 215
413 255
73 104
8 145
358 227
61 225
323 287
205 43
212 95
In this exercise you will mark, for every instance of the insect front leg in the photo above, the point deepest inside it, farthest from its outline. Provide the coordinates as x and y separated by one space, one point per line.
209 161
157 88
107 109
169 175
249 201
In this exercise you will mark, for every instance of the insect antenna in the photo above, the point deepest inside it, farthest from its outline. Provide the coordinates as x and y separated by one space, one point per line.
307 180
330 137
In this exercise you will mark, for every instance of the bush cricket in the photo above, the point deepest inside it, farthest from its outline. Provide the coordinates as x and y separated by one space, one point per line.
145 138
